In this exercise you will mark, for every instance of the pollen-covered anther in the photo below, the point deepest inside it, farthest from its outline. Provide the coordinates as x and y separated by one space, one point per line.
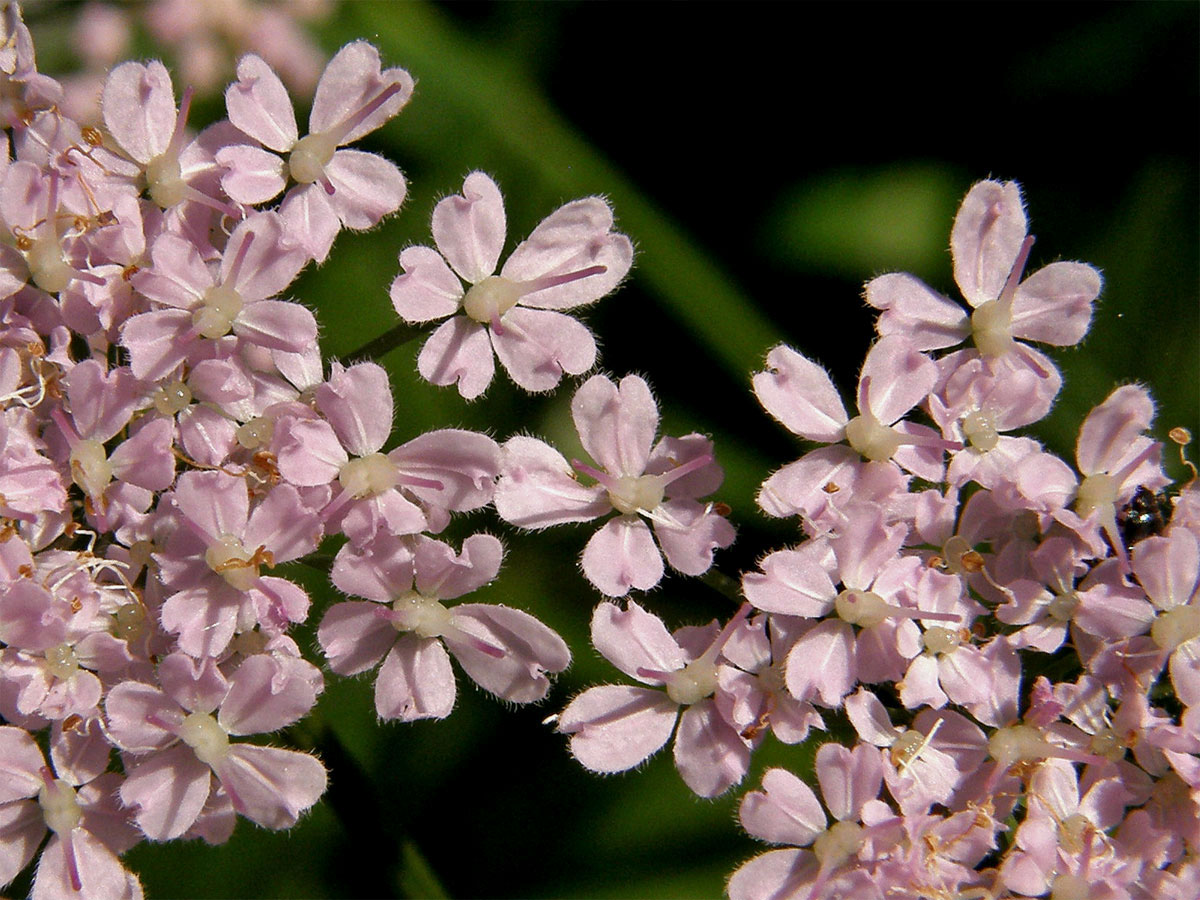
172 398
368 476
490 299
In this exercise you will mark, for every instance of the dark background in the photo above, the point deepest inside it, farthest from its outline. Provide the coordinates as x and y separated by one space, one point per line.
767 159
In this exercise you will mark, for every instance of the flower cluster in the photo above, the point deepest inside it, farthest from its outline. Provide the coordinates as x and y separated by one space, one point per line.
944 565
169 434
1005 643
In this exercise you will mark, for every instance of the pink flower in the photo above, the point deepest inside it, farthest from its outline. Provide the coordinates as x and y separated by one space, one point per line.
615 727
413 488
786 811
990 246
87 827
178 745
335 187
505 651
572 258
640 480
202 306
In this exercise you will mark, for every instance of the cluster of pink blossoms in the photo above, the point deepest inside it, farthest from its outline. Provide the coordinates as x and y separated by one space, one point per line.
943 569
169 433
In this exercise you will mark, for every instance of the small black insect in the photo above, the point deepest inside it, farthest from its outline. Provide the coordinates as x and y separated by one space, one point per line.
1145 515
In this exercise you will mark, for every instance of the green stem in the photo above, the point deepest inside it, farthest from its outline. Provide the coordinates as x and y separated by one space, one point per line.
400 334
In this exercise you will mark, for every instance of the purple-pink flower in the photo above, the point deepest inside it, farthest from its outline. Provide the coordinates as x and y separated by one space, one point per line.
572 258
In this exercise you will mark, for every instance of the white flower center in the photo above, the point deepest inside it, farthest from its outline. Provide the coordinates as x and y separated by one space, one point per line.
205 736
637 493
172 398
940 640
61 661
90 468
991 327
489 300
838 844
229 559
310 156
368 476
164 180
47 267
1176 626
220 306
872 439
979 428
1096 492
694 682
60 808
862 608
424 616
256 433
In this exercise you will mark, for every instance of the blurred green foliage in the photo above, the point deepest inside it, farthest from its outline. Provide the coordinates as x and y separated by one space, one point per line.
767 159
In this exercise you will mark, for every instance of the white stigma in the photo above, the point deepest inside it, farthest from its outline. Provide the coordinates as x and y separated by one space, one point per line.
991 327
